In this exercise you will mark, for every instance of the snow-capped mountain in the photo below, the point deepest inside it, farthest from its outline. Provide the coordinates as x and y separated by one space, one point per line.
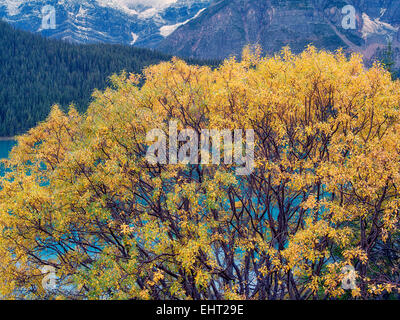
214 28
136 22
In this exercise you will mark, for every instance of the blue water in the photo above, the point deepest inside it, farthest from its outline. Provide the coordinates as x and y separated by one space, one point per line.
5 148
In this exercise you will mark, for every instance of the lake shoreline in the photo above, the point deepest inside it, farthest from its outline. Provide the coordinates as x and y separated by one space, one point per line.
6 145
7 138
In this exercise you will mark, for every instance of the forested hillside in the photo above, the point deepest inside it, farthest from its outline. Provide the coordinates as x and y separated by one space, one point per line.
36 72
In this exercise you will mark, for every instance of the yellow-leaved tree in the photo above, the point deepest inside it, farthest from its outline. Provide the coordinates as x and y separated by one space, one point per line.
80 195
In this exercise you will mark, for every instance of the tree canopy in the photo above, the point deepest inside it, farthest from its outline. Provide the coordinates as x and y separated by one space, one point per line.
81 197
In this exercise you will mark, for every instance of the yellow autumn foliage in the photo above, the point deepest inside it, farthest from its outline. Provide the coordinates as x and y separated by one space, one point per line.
80 195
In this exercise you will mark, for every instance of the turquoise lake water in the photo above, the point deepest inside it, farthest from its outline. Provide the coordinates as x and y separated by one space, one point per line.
5 148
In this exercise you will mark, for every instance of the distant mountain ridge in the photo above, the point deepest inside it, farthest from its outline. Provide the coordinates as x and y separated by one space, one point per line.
135 22
216 29
228 25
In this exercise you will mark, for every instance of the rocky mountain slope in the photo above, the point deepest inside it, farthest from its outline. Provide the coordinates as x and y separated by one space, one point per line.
137 22
228 25
216 29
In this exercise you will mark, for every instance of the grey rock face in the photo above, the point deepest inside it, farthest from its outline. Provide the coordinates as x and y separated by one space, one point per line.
226 26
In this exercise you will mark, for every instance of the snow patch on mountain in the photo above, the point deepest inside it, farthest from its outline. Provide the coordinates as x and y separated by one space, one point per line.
118 5
165 31
376 26
148 13
147 3
82 13
135 37
144 9
13 6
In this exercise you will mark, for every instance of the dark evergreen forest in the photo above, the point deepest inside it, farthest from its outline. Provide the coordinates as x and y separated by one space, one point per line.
36 72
